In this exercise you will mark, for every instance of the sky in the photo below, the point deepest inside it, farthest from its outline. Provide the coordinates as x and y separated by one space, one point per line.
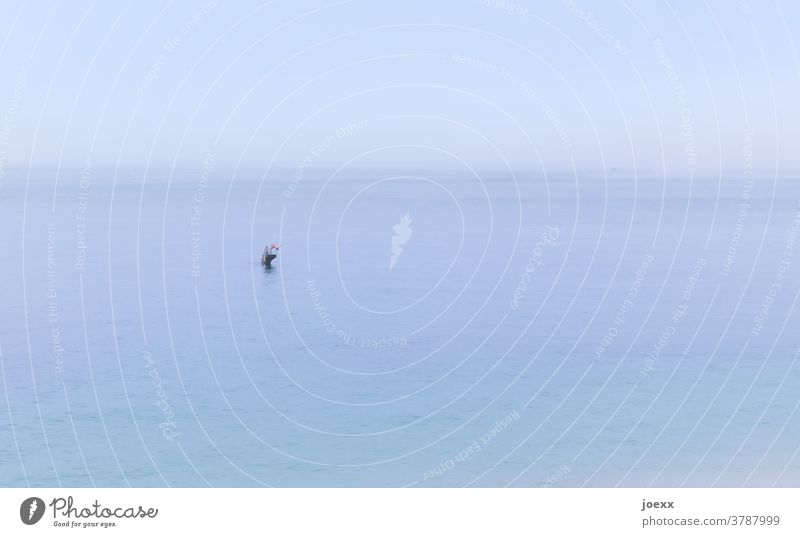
655 87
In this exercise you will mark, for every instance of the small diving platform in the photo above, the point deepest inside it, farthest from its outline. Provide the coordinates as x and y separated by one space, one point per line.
269 254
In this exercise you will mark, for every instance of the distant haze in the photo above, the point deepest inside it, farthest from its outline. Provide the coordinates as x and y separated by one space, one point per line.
664 88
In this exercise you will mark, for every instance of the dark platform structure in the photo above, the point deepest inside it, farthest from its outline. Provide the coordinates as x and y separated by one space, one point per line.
266 260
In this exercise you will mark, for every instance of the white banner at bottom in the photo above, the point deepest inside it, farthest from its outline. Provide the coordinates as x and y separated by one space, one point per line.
390 512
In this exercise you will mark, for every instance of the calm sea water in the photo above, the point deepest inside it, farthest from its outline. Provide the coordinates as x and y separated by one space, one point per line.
523 331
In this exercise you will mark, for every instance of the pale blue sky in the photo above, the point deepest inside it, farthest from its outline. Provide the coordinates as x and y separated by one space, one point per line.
488 84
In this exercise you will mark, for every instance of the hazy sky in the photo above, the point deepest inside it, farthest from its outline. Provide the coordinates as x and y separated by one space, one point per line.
491 84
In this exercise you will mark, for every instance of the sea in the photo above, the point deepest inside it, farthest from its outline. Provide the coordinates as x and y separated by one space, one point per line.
420 328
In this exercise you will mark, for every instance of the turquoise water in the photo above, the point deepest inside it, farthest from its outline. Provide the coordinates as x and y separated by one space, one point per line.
522 331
